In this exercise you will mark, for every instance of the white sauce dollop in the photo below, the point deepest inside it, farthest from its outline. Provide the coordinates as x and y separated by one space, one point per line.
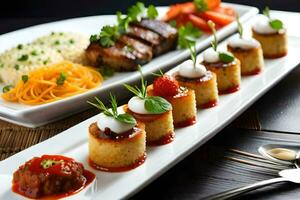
137 105
187 69
243 43
211 56
262 26
113 124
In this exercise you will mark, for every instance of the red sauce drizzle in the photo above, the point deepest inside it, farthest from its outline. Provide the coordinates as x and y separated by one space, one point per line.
185 123
144 117
254 72
162 141
230 90
137 163
210 104
87 174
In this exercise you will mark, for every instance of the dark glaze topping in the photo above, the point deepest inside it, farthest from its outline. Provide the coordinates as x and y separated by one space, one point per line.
208 76
219 64
108 134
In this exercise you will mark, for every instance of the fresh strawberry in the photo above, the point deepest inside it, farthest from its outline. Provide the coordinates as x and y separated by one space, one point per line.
165 86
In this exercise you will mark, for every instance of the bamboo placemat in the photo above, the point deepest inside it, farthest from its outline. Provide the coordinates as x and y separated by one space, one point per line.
14 138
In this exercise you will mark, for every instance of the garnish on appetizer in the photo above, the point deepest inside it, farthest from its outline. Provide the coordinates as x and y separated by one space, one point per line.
154 111
224 64
271 34
134 40
117 142
182 99
248 51
192 74
199 12
51 177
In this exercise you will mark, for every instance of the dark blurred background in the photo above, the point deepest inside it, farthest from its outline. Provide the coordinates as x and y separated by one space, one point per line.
17 14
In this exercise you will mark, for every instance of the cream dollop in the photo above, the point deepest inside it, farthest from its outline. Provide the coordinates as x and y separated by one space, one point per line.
114 125
211 56
137 105
262 26
188 70
243 43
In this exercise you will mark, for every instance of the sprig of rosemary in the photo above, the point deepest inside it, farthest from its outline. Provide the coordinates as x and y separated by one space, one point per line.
274 23
113 112
223 56
153 104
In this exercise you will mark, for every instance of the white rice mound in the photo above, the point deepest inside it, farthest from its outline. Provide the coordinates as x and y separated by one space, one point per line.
22 59
70 45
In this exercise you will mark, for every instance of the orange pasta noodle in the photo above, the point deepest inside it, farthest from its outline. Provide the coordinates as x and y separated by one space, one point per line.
54 82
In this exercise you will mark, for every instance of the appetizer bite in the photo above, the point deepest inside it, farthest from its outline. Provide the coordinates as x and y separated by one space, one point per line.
271 34
117 142
198 12
134 40
50 177
248 51
224 64
154 111
182 99
193 75
51 83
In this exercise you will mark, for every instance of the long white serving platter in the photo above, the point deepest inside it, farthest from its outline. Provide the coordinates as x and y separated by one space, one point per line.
73 142
34 116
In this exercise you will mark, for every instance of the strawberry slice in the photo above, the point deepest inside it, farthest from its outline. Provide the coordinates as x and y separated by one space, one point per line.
165 86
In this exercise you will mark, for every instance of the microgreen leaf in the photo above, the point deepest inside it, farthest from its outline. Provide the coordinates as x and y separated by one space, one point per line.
7 88
136 11
240 26
157 105
201 5
276 24
126 118
24 57
266 12
160 73
25 78
152 12
214 42
108 36
61 79
226 57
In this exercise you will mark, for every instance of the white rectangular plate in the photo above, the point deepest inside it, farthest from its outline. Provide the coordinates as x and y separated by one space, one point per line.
73 142
33 116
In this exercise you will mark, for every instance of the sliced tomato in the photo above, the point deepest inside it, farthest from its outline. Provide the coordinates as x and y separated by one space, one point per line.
199 22
211 4
225 10
218 18
178 9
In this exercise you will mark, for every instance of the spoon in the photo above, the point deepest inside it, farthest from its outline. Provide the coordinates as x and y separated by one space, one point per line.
281 154
287 175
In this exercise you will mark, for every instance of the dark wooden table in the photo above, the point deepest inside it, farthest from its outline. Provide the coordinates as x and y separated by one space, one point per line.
213 167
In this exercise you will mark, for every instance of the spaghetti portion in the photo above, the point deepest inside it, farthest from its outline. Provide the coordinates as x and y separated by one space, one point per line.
54 82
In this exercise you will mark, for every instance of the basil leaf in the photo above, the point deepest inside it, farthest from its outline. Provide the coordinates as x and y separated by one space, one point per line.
276 24
126 118
157 105
226 57
152 12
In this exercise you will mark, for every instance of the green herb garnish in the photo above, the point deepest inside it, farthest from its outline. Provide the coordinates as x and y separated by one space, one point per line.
223 56
25 78
187 36
240 26
106 72
153 104
24 57
173 23
47 163
71 41
7 88
276 24
152 12
108 36
201 5
34 53
128 48
57 42
160 73
17 67
20 46
1 65
61 79
113 112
